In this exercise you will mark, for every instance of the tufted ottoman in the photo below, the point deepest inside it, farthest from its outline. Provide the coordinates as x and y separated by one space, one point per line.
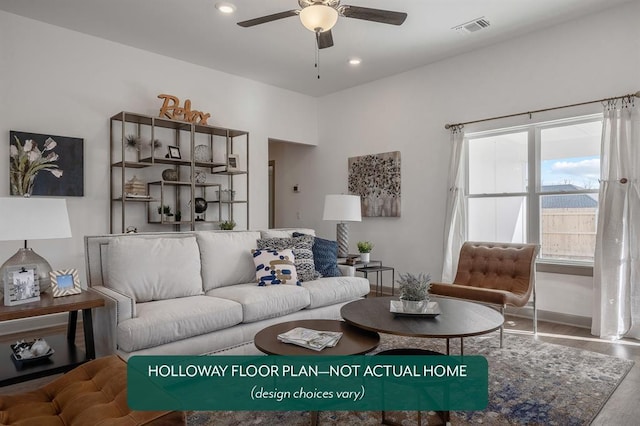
92 394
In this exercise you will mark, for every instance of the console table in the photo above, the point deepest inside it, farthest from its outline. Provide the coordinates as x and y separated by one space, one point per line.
67 356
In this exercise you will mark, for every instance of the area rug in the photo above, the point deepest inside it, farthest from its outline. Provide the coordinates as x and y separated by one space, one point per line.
530 383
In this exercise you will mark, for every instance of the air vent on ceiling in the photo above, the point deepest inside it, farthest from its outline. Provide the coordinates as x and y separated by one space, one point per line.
472 26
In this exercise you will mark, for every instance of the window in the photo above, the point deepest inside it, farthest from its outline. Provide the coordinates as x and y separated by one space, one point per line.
537 184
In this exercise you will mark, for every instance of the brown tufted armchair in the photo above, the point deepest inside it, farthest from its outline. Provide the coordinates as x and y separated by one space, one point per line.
93 394
497 274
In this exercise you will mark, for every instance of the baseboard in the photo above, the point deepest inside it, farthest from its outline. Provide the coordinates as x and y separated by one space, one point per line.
550 316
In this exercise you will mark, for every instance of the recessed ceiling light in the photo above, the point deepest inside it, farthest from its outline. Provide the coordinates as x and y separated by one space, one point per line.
225 7
355 61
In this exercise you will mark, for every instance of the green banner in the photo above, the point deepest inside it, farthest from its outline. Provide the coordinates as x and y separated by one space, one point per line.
361 383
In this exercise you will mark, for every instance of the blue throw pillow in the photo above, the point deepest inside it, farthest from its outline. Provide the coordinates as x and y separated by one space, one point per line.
325 256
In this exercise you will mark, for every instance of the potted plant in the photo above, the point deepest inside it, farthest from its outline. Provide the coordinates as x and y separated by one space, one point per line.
166 211
414 291
365 247
227 225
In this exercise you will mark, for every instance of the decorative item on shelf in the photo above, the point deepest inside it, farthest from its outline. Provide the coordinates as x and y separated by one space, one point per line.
342 208
28 351
135 187
227 195
365 247
165 211
132 142
200 206
171 109
227 225
170 175
32 219
174 152
200 176
178 215
233 162
65 282
202 154
155 144
414 291
131 230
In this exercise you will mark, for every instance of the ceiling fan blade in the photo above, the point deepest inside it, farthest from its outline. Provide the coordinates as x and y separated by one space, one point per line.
325 39
376 15
268 18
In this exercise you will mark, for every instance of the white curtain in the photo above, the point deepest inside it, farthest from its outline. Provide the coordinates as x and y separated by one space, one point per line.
616 272
455 230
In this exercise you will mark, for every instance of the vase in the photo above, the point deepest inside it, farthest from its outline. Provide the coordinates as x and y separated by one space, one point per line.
21 183
413 305
365 257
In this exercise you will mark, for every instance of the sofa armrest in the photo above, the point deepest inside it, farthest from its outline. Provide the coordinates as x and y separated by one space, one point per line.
118 307
347 270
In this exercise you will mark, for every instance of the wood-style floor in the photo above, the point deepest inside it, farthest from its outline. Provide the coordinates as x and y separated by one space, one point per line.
623 408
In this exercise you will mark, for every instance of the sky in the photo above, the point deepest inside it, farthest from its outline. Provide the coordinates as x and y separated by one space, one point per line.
580 171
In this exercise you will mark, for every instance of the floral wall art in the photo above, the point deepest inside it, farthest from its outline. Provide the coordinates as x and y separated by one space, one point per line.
376 179
45 165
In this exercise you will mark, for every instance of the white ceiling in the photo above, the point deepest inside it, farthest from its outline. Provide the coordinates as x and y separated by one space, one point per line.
282 53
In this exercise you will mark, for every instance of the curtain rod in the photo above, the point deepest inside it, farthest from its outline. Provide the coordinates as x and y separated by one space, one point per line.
449 126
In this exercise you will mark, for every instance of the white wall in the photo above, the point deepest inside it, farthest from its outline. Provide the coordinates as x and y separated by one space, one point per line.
594 57
61 82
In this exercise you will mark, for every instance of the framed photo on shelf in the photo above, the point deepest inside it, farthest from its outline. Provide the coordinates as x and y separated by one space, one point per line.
65 282
233 162
174 152
21 285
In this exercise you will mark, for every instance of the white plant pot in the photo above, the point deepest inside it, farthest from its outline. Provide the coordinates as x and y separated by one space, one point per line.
365 257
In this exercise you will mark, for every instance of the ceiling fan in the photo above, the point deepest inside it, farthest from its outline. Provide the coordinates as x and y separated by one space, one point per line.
320 16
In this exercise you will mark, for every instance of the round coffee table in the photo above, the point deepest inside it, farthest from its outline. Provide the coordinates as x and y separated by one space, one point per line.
458 319
354 340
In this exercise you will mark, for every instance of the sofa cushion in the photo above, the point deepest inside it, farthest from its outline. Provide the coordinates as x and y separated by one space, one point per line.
328 291
226 257
302 251
260 303
275 267
286 232
325 256
166 321
154 268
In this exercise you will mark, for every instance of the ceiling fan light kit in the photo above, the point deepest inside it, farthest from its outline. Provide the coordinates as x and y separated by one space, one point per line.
318 17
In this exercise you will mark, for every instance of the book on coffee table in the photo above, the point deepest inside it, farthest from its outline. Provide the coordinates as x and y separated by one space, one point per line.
311 339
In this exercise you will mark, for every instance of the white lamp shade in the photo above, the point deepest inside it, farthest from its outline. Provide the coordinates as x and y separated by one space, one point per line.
343 208
318 17
33 219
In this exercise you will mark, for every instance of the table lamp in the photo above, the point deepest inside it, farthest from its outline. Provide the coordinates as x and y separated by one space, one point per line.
343 208
32 219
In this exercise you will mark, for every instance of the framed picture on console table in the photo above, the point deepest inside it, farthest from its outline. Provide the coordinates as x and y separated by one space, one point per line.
21 285
65 282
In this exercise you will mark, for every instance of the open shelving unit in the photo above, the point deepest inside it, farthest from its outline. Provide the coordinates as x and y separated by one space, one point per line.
202 167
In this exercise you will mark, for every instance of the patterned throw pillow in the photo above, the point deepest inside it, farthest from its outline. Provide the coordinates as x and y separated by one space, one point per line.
325 256
275 267
302 251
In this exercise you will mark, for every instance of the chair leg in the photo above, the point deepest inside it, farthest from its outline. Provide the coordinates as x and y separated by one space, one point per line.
502 327
535 312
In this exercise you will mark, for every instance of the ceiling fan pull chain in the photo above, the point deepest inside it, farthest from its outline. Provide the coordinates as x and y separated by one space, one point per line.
318 53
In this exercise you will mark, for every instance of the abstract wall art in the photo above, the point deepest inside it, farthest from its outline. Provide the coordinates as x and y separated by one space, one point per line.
376 179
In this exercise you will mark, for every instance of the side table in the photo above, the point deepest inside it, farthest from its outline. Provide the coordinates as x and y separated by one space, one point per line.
67 356
378 270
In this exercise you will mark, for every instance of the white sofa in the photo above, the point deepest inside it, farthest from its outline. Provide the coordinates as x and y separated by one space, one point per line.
191 293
